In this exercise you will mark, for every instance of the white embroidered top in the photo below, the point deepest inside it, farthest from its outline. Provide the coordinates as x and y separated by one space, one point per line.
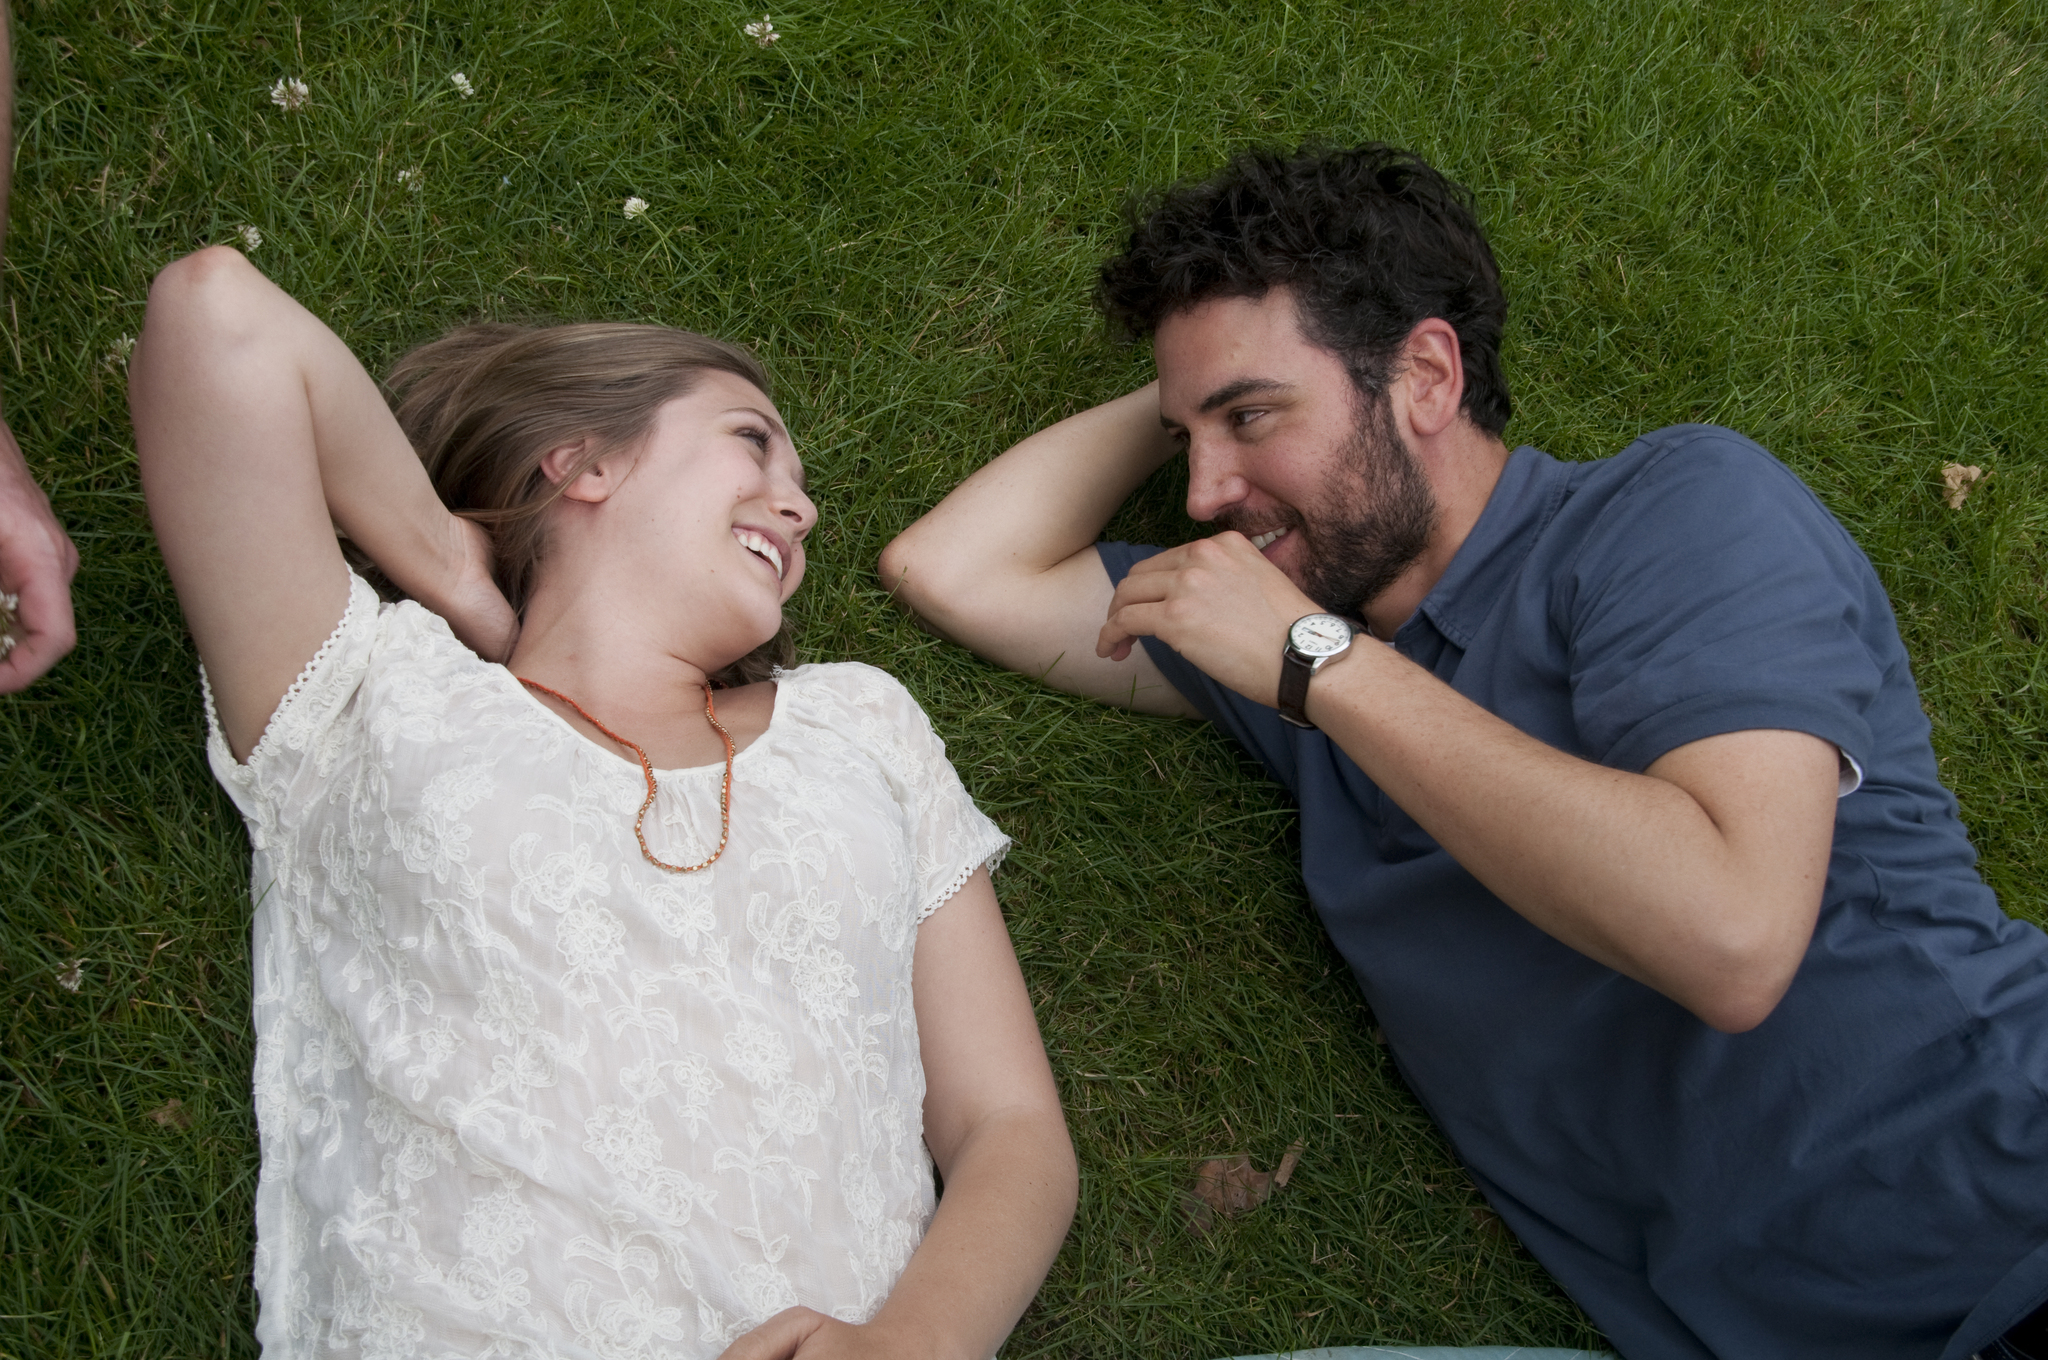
520 1092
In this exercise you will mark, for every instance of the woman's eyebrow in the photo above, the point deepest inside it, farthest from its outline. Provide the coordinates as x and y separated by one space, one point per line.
766 419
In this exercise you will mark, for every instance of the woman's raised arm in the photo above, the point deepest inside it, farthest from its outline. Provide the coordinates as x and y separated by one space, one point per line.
258 434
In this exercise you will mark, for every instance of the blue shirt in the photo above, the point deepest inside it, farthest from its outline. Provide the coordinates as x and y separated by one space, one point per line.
1865 1174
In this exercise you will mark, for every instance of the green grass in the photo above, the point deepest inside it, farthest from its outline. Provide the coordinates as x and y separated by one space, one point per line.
1821 224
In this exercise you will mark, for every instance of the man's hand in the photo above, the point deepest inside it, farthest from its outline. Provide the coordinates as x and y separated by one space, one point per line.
805 1334
1216 601
37 562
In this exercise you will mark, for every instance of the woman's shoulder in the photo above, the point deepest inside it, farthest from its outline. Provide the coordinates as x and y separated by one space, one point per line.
853 682
383 661
857 699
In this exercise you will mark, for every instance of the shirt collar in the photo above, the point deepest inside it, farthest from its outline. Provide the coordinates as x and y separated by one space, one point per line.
1530 489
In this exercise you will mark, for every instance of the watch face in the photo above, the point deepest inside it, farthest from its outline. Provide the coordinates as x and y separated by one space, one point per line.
1319 635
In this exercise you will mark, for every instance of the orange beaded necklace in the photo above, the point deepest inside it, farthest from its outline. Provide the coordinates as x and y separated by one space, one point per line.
647 769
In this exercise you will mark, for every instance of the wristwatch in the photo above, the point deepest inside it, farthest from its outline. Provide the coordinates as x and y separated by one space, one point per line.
1313 642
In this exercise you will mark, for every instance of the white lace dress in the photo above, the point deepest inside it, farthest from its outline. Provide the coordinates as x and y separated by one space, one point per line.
521 1093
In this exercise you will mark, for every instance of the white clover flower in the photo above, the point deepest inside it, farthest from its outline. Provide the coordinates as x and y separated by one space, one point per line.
411 178
290 94
73 975
118 355
251 238
462 85
636 207
762 32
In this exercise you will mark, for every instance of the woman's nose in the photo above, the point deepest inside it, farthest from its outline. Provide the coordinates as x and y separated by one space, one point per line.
798 510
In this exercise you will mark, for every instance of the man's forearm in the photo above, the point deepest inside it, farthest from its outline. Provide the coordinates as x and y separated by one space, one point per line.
1034 507
1633 870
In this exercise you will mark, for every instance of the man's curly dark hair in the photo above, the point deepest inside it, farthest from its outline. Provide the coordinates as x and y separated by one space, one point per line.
1371 241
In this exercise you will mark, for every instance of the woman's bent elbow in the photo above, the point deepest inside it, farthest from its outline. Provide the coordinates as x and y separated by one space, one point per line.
207 297
204 272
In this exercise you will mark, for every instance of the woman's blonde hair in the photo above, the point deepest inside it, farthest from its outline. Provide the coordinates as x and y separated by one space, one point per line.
485 403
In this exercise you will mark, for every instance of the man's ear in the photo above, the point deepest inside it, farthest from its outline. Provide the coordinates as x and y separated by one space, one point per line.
593 483
1432 378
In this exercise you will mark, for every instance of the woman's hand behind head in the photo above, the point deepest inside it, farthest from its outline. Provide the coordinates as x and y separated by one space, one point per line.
467 595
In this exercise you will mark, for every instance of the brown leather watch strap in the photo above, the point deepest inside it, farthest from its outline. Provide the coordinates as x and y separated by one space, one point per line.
1295 669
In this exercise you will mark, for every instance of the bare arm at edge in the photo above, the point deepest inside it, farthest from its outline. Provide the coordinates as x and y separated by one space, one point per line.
37 558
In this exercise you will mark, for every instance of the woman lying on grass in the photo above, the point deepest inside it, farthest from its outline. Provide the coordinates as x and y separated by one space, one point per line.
572 1043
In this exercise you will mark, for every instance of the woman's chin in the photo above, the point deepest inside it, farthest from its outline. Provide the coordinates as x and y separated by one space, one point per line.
742 643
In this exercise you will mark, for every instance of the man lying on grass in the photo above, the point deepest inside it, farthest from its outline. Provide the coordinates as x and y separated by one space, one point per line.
1615 787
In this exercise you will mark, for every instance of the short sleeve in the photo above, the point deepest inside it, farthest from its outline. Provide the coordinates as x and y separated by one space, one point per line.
1260 730
1716 594
950 837
302 731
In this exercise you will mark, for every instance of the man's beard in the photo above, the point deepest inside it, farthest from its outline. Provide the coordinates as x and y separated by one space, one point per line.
1373 520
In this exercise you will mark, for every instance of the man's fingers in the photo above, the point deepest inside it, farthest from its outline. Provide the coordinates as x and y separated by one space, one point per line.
1126 625
1114 644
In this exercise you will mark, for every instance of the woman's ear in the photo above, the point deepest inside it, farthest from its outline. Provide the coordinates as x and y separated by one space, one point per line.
569 467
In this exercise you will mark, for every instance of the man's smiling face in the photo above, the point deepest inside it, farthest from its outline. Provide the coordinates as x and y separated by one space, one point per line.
1283 449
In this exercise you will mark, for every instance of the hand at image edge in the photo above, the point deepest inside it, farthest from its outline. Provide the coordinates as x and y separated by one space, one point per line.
37 562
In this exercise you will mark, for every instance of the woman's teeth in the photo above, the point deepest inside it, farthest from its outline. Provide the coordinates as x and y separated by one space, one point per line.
754 543
1261 540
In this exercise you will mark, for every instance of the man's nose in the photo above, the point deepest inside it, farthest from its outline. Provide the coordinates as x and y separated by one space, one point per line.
1214 482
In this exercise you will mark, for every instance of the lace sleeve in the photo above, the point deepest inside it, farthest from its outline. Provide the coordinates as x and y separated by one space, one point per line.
951 837
305 717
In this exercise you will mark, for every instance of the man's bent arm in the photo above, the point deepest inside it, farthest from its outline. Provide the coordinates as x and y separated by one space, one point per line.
1006 565
1701 877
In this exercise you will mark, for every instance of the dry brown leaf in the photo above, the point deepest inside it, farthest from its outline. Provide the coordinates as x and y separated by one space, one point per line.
1230 1186
1957 479
172 1114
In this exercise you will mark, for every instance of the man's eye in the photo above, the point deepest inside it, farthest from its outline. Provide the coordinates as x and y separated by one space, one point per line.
1246 417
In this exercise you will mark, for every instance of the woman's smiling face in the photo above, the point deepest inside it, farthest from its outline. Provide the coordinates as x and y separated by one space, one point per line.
711 509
